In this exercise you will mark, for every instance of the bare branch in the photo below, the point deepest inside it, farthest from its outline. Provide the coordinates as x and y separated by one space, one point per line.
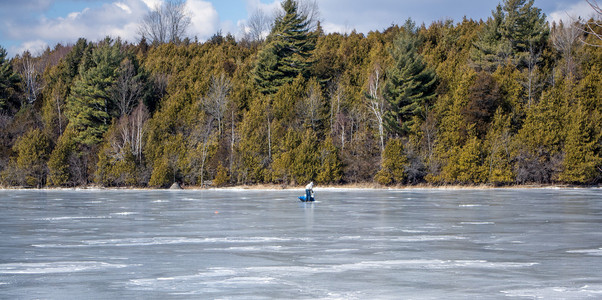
166 23
258 26
593 27
128 88
217 100
376 103
31 72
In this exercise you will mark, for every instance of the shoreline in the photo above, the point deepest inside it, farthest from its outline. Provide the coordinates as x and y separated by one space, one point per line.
276 187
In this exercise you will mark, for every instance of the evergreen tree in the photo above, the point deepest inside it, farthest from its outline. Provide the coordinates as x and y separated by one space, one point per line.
410 85
90 105
32 151
394 163
221 178
60 160
9 81
287 52
581 163
517 31
497 144
525 27
331 170
492 49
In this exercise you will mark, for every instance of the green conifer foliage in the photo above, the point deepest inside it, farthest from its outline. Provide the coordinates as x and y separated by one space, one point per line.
9 81
287 52
331 167
468 167
60 160
525 27
254 149
492 49
515 33
410 86
394 163
90 105
33 150
582 162
497 145
541 138
306 161
221 178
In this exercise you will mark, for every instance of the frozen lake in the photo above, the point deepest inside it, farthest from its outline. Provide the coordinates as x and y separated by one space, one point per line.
363 244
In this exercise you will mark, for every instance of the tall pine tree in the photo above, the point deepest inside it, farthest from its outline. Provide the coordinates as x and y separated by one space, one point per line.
410 85
516 33
90 105
8 83
287 52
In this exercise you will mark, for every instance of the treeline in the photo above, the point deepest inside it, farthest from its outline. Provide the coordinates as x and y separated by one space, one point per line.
510 100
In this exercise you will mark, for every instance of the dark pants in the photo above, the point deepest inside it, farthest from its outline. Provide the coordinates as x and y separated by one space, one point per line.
307 195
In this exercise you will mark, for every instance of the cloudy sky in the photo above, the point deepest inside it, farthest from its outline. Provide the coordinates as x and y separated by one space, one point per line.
36 24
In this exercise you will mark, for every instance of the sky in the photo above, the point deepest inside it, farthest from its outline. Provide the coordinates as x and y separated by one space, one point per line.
34 25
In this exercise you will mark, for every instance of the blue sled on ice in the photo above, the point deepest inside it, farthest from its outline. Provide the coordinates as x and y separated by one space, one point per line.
304 198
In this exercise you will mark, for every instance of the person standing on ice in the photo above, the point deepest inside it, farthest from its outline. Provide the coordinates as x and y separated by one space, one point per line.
309 189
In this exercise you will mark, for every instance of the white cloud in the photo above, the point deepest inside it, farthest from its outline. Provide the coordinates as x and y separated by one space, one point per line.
115 19
35 47
152 3
252 6
268 8
330 27
204 19
572 13
124 7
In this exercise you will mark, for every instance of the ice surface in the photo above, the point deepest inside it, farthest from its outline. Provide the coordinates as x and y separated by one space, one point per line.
351 244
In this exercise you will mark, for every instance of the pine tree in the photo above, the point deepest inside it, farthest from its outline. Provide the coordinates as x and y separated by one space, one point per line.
90 105
410 86
517 31
287 52
492 50
9 81
525 27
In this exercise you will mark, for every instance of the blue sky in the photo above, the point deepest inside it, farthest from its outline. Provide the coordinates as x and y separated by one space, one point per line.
35 24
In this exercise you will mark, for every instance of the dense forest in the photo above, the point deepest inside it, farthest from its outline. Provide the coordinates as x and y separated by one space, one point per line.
508 100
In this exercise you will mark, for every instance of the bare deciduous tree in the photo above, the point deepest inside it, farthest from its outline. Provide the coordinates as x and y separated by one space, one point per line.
32 77
217 100
166 23
56 95
128 88
131 130
313 105
337 118
258 26
565 40
376 103
532 82
594 27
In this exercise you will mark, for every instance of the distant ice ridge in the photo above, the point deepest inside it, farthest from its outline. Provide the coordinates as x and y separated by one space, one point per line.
72 218
477 223
558 292
239 277
151 241
56 267
596 252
